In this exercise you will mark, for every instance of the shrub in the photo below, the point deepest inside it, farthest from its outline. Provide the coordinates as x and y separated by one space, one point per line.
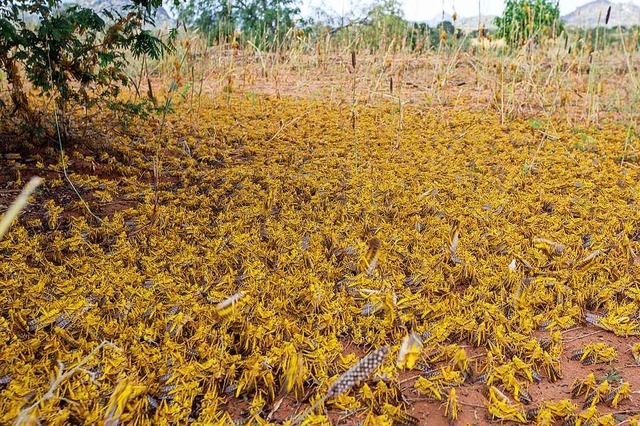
72 54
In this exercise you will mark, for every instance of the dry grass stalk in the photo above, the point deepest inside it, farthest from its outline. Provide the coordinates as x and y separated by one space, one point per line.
19 204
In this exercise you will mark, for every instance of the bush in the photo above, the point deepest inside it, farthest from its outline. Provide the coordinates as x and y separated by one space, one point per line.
525 20
72 54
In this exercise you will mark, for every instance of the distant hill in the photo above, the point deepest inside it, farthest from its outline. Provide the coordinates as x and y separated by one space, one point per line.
589 15
471 24
593 14
433 22
465 24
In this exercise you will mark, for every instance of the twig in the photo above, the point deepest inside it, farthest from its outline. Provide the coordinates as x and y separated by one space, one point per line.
351 413
581 337
300 417
408 379
548 136
626 412
468 404
276 407
362 21
285 125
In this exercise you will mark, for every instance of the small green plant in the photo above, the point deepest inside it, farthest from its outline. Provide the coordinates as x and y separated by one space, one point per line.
588 144
613 376
525 20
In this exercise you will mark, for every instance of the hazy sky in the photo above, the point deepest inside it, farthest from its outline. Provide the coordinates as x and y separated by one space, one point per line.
423 10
